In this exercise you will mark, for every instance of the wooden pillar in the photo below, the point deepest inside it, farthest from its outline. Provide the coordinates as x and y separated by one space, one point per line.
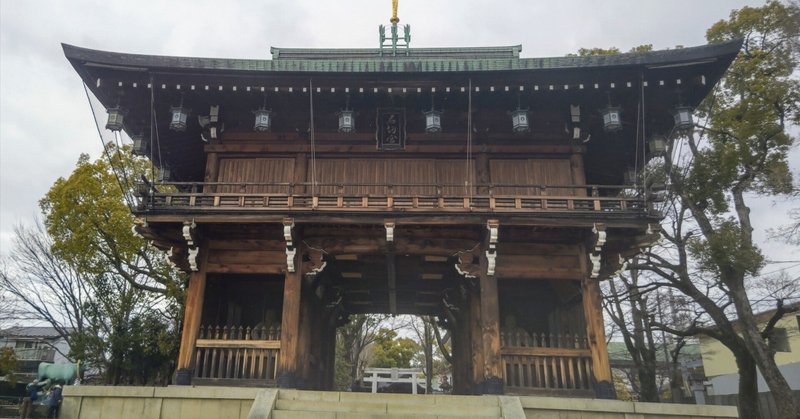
492 382
192 316
291 355
595 331
476 342
462 353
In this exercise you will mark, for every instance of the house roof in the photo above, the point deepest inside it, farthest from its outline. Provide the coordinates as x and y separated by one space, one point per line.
30 332
618 353
309 60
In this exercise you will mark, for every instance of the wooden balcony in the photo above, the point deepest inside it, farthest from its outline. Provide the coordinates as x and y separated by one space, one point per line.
237 355
249 198
546 363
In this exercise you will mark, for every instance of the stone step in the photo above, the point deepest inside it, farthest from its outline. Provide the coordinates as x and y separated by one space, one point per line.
439 399
388 407
299 414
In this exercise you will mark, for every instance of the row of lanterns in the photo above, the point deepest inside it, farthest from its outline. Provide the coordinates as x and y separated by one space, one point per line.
520 121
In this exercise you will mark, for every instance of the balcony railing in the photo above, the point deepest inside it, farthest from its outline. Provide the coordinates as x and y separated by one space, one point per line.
237 354
363 197
546 362
35 354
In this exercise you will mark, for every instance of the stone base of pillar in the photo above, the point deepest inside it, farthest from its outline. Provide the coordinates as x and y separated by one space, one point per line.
492 385
604 390
183 377
288 380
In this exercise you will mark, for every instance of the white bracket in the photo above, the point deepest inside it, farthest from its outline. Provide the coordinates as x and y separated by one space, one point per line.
389 231
314 271
290 254
288 225
493 227
601 237
193 252
595 259
491 259
188 232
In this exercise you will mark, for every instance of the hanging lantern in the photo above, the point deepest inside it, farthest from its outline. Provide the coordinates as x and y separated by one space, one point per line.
630 176
263 121
347 121
519 120
657 145
683 118
612 119
433 121
179 117
140 145
115 117
164 173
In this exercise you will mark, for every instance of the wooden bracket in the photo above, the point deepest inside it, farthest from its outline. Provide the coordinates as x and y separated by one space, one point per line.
598 241
491 254
288 225
389 226
595 258
599 231
189 232
316 263
290 254
466 266
491 262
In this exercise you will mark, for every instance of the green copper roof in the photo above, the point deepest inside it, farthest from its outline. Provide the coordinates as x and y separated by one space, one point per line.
423 60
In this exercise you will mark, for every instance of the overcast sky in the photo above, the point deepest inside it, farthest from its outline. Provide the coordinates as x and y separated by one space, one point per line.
45 121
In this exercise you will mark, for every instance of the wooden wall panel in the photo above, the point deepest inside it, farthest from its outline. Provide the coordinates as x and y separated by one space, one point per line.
531 172
257 170
454 172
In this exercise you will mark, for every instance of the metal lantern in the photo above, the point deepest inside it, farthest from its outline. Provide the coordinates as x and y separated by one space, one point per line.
179 116
520 121
657 145
263 121
433 121
140 145
612 119
683 118
164 173
347 121
630 176
116 115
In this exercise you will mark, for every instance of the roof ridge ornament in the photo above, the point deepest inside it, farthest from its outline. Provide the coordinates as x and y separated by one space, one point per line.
394 40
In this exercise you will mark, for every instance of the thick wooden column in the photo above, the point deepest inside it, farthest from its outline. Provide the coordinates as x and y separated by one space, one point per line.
476 341
192 316
492 382
291 352
595 331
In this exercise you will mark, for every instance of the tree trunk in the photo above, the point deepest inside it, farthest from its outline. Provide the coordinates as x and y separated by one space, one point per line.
647 380
785 403
748 386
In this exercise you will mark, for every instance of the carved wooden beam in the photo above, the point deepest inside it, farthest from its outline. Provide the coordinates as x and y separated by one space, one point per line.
491 253
598 241
189 232
291 251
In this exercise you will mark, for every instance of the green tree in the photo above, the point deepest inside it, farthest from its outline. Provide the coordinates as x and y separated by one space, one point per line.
87 217
391 351
738 152
115 299
8 364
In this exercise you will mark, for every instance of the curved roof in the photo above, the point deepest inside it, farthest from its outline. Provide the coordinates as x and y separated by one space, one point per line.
416 61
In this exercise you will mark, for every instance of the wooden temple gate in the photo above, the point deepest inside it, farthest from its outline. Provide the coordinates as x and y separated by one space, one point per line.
402 182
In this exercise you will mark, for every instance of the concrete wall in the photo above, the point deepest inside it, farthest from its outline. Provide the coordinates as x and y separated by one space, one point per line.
99 402
559 407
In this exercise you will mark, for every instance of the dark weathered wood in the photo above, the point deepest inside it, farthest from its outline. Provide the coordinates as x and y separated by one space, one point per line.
489 321
193 311
290 323
476 338
595 330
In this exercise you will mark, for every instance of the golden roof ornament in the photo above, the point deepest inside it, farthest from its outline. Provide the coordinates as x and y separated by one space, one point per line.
394 18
